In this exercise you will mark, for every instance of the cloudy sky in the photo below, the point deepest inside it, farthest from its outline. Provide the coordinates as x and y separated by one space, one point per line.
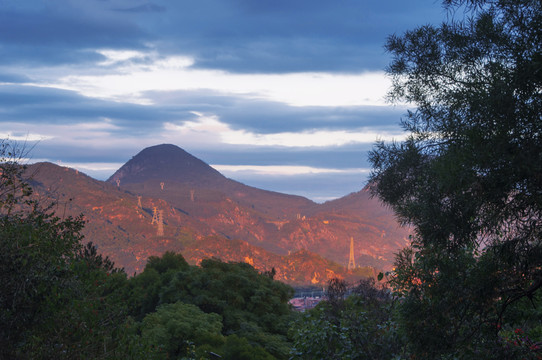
285 95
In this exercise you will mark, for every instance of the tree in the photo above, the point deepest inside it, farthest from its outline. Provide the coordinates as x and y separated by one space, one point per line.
168 261
13 189
35 253
35 256
468 178
252 305
174 327
59 299
359 326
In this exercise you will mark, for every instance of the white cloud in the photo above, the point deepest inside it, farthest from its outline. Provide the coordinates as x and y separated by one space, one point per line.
115 56
283 170
320 138
202 131
22 136
92 166
129 80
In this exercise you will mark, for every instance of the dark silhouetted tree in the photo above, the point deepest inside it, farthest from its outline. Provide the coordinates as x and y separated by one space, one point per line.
468 176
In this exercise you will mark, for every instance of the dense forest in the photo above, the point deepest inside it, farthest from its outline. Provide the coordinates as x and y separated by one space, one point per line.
467 179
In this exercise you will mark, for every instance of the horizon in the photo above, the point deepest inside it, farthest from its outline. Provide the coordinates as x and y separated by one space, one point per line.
105 178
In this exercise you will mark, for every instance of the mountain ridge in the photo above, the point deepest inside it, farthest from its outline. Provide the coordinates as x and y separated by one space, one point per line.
120 220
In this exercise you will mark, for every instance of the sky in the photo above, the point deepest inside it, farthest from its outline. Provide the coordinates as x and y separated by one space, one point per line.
284 95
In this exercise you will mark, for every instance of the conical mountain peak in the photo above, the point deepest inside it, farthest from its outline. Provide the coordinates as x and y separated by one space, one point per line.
166 162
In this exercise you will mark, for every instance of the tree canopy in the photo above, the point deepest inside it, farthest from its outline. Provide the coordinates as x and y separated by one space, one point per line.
468 177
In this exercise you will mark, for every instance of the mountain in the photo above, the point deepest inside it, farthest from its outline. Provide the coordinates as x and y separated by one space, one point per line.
167 163
204 214
167 171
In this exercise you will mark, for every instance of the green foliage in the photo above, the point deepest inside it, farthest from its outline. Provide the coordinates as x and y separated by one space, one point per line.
467 178
35 272
237 348
249 309
454 295
251 304
145 289
174 327
58 299
359 326
89 258
168 261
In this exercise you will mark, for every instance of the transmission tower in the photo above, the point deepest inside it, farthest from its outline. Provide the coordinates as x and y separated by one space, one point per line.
351 260
160 228
192 195
154 215
162 185
118 182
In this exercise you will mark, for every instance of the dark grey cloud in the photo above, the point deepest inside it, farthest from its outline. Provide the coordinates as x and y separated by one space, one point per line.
57 33
52 28
285 36
41 105
6 77
239 36
44 55
271 118
142 125
58 151
139 126
335 157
